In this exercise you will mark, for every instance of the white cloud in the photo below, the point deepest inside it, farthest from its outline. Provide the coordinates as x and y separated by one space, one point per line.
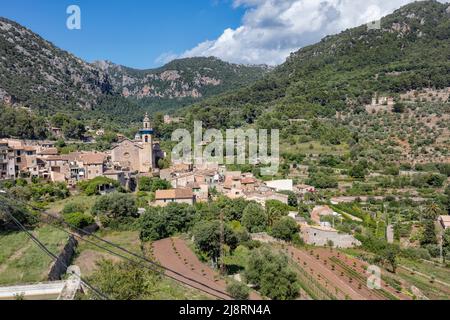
166 57
272 29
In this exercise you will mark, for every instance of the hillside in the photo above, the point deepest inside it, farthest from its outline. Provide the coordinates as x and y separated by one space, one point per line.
36 74
184 78
344 71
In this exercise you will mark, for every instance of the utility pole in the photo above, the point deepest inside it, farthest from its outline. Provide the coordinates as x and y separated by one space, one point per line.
222 243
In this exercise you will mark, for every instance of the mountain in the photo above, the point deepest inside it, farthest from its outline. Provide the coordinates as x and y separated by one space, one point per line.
36 74
183 78
344 71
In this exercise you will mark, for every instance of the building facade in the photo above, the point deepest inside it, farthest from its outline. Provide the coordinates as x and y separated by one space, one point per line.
137 156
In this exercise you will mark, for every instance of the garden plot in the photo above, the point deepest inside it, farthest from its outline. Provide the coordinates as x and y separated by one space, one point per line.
175 254
344 277
22 261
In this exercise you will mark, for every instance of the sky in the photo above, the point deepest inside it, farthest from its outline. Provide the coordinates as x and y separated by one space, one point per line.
149 33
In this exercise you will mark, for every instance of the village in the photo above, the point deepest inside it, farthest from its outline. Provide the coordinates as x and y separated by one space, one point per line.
130 160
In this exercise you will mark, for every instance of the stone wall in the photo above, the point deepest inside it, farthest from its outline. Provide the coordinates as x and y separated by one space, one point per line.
59 267
319 237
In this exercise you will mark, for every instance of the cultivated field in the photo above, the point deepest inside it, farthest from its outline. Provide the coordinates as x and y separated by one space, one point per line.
22 261
175 254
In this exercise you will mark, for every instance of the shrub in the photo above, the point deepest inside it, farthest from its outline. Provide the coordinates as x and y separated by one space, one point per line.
238 290
91 187
79 220
153 184
73 207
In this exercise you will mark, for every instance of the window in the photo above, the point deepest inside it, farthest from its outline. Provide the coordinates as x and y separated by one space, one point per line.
146 139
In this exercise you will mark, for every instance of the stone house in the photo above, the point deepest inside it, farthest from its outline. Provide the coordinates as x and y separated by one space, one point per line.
164 197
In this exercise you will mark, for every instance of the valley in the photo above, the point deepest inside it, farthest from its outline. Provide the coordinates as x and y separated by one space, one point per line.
361 195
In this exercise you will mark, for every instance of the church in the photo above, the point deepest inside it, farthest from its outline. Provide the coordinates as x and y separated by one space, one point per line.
138 155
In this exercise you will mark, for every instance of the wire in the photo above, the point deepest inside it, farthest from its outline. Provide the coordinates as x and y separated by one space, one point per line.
140 264
53 256
131 253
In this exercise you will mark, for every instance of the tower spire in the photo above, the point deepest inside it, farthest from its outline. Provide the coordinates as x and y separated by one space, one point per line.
147 122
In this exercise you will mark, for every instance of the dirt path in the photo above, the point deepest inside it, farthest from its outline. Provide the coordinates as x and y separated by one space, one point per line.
174 254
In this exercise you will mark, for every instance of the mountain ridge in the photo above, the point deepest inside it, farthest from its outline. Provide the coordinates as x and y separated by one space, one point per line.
36 74
345 70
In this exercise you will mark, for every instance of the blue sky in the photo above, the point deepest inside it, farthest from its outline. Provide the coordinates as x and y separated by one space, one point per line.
148 33
133 33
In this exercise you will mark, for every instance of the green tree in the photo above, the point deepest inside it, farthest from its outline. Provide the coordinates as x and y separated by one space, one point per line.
446 244
275 211
389 256
254 218
358 171
399 108
292 200
232 208
285 229
153 184
269 271
116 206
159 223
207 237
9 207
429 234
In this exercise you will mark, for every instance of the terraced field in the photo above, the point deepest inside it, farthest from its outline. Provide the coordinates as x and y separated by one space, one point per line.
337 276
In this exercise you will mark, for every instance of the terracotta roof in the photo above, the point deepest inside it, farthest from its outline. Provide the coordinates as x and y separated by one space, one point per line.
49 152
248 180
55 158
112 173
73 156
134 144
92 158
445 220
174 194
194 185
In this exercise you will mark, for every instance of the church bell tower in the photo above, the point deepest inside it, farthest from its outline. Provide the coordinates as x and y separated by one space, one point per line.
146 154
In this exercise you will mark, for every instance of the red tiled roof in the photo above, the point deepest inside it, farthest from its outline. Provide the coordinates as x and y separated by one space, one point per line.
92 158
174 194
248 180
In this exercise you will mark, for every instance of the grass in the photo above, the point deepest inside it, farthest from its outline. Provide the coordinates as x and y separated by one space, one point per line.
88 254
58 206
439 272
21 261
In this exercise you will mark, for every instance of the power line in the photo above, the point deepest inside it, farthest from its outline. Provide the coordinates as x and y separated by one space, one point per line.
53 256
154 264
140 264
